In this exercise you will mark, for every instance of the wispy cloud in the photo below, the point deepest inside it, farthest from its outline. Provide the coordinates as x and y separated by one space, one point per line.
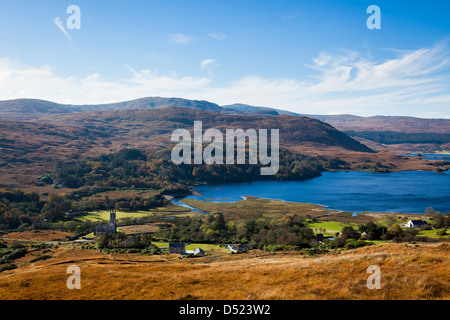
207 62
179 38
60 25
217 35
292 15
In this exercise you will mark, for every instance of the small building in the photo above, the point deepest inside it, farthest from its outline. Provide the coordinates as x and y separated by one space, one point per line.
416 224
319 236
111 227
177 248
236 247
199 252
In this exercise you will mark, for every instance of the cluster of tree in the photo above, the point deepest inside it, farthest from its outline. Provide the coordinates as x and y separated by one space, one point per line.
440 220
124 203
120 242
350 237
289 230
18 208
392 137
132 168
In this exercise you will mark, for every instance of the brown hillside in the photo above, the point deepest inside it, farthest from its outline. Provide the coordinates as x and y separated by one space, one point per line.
29 149
408 272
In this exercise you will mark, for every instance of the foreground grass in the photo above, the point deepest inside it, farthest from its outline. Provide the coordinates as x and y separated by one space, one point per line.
407 272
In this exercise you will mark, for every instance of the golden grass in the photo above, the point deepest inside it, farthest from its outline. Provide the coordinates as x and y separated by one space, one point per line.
407 272
254 208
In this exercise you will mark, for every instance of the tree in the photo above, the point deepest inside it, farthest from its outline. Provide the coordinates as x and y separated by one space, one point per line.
429 211
349 233
393 231
56 207
439 219
390 219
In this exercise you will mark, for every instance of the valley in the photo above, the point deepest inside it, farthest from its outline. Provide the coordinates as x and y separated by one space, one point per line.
63 168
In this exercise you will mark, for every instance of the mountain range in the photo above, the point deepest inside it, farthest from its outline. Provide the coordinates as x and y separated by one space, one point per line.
32 109
37 134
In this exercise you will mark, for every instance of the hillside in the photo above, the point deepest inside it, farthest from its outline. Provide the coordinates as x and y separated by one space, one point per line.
146 123
29 109
408 272
21 109
386 123
30 149
37 134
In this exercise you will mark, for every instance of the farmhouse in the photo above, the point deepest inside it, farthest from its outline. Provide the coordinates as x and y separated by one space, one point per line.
319 236
236 247
107 228
177 248
416 224
199 252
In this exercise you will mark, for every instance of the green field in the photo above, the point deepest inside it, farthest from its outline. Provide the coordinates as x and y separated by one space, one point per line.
433 233
207 247
331 227
167 211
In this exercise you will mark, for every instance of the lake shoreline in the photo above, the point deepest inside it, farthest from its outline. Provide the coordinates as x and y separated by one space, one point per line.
409 192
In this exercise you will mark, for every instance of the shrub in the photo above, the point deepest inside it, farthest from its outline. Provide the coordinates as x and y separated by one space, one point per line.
9 266
353 244
40 258
12 254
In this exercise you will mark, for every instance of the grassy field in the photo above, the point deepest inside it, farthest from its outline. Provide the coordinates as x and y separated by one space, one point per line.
331 227
167 211
255 208
207 247
408 272
433 233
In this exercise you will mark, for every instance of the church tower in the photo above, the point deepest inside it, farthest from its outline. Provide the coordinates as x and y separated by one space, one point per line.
112 218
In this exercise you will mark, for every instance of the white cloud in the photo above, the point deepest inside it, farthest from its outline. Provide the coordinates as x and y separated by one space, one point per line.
179 38
20 81
60 25
412 83
207 63
217 35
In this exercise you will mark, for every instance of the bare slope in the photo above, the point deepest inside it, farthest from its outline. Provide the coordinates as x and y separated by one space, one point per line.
408 272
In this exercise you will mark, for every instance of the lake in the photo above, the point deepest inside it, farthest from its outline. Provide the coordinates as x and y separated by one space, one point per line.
355 191
430 156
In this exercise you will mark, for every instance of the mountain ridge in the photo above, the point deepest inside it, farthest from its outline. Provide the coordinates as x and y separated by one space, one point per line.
32 109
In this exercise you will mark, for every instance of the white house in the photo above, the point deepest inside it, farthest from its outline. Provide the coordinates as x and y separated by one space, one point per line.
416 224
199 252
236 247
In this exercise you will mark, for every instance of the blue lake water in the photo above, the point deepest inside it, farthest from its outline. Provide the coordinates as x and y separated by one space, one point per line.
400 192
430 156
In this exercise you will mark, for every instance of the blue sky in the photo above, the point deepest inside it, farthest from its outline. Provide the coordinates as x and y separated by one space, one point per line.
313 57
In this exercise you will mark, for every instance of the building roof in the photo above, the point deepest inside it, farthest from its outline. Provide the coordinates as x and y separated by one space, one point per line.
418 221
176 245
